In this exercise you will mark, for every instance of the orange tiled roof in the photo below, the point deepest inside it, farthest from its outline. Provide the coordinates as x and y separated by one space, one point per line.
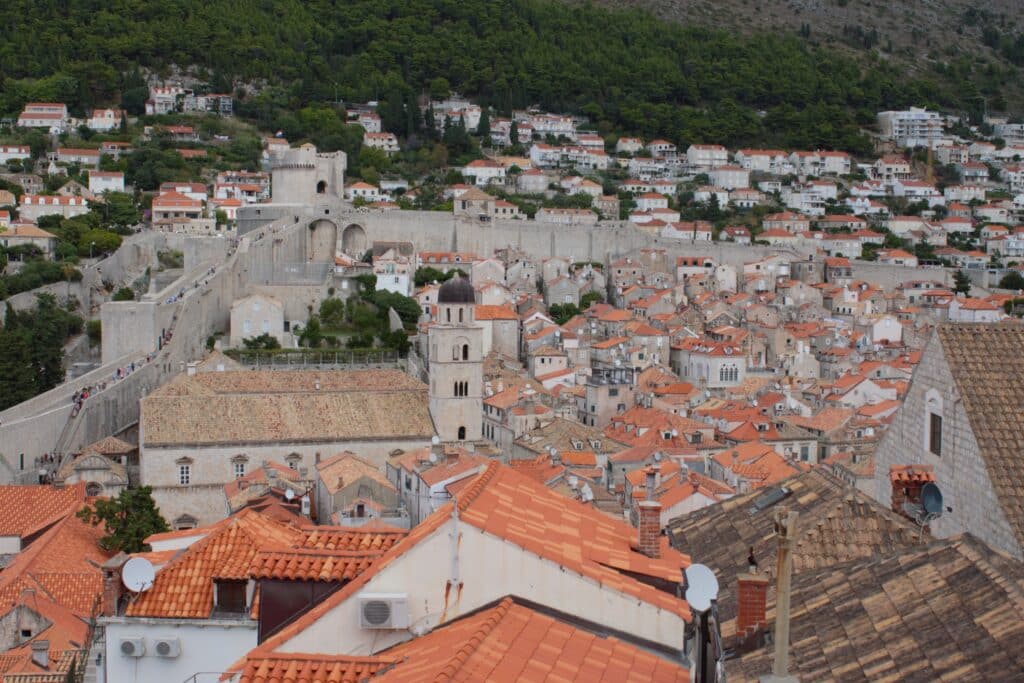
184 587
506 642
25 510
63 564
253 545
310 565
522 512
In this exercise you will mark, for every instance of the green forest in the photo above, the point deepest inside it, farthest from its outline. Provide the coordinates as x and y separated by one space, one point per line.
626 70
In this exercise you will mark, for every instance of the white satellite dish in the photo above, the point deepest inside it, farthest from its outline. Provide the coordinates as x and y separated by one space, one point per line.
436 440
137 575
701 587
290 495
433 457
657 456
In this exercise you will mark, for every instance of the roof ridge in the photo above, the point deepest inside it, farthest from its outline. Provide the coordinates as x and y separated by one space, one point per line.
478 485
463 653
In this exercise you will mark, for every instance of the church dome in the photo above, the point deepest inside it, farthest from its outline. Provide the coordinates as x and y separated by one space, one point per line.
456 291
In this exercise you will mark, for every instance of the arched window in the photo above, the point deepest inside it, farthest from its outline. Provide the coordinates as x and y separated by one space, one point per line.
93 489
462 433
721 374
448 313
455 390
465 352
321 187
460 314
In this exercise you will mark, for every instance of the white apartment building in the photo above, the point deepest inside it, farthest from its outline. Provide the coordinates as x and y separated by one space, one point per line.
912 127
703 158
106 181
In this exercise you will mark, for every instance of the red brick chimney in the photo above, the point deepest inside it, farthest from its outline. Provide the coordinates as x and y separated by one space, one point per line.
907 482
752 599
650 528
112 586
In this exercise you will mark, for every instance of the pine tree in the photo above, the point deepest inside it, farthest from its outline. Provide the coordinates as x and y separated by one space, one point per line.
513 133
961 283
128 520
483 129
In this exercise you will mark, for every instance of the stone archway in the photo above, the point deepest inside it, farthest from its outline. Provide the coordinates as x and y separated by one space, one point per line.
353 240
321 241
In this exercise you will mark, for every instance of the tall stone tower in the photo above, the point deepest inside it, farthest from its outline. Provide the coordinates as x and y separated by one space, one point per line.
456 364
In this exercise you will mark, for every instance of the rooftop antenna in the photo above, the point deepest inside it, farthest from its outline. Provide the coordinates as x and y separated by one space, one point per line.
138 574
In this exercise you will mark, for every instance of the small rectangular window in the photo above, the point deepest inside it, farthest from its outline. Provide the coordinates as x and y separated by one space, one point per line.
231 596
184 474
935 433
239 468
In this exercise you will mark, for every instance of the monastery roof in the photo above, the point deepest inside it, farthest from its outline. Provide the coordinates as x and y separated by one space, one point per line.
253 407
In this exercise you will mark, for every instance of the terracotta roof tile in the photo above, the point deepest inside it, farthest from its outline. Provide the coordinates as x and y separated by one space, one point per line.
948 610
263 406
502 643
576 536
837 524
25 510
988 368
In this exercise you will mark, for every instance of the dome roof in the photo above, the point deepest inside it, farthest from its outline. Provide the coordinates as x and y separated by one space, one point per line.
456 291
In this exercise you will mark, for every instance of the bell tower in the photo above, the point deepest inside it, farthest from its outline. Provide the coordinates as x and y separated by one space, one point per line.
456 364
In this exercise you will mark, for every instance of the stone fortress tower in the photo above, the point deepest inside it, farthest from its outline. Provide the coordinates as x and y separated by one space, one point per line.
306 177
456 364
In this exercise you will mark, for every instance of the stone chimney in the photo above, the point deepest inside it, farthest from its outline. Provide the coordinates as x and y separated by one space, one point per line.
112 587
752 604
650 528
907 482
41 653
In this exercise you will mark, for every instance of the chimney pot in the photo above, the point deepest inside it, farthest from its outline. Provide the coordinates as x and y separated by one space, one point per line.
752 598
650 528
41 653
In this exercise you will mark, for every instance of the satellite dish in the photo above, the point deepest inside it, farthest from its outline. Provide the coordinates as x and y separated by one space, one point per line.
436 440
573 481
657 456
137 575
433 457
290 495
931 499
701 587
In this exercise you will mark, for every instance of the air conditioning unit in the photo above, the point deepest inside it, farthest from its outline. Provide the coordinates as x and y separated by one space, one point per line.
384 610
133 647
167 647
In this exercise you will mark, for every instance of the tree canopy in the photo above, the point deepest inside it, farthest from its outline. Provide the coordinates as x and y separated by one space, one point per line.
623 68
128 520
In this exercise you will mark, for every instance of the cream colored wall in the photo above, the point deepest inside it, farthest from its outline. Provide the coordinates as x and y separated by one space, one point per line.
211 467
490 568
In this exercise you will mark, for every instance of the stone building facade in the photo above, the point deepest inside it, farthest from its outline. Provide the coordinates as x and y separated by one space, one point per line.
936 427
456 364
